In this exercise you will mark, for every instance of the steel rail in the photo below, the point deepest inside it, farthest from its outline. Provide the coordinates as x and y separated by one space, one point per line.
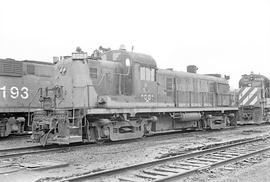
30 152
15 152
4 153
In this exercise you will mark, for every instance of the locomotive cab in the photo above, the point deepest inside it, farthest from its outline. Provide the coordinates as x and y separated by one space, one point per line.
134 79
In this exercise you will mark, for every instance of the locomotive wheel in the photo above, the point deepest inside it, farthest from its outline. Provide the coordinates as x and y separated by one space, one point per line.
101 141
7 127
98 140
43 140
93 135
232 120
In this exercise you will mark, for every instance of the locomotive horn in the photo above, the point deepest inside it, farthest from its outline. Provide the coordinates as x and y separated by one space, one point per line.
104 49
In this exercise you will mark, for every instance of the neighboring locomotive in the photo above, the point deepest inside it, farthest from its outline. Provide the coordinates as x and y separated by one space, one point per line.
118 95
19 85
254 98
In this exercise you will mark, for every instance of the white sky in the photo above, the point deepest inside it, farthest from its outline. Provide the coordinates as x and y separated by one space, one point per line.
229 37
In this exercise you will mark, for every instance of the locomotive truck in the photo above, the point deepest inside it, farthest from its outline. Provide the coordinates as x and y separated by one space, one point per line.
118 95
254 99
19 86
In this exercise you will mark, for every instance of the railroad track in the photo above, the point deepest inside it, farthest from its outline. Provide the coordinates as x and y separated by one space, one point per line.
176 167
16 152
20 151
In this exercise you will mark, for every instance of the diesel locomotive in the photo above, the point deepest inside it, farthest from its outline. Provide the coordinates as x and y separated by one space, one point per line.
254 98
19 86
118 95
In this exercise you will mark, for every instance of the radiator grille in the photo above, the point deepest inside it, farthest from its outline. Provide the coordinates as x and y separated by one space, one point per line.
10 67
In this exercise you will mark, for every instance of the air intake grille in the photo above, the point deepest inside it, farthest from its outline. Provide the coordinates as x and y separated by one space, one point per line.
10 67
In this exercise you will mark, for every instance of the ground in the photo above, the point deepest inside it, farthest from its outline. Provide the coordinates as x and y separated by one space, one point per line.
118 154
255 173
242 171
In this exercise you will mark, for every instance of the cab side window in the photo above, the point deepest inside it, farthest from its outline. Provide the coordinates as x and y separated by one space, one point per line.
153 74
142 71
147 74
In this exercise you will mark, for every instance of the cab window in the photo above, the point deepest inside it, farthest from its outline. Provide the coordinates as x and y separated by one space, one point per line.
142 70
147 74
153 75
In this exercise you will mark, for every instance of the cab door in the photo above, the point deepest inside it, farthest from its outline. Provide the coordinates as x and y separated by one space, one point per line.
175 93
126 83
171 90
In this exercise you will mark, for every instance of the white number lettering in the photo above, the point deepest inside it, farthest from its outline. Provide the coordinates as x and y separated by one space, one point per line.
148 97
14 92
3 89
24 94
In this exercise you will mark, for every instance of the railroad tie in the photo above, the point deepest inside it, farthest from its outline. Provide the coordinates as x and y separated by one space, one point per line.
127 179
198 161
147 176
186 163
156 173
228 168
238 152
178 167
219 157
229 153
167 170
208 160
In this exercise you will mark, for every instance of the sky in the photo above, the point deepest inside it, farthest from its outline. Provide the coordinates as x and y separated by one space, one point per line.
229 37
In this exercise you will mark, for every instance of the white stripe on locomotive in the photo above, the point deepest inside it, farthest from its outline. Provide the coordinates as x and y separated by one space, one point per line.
249 96
254 101
244 101
244 92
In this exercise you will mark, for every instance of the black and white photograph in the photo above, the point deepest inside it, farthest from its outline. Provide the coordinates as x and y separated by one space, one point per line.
134 91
